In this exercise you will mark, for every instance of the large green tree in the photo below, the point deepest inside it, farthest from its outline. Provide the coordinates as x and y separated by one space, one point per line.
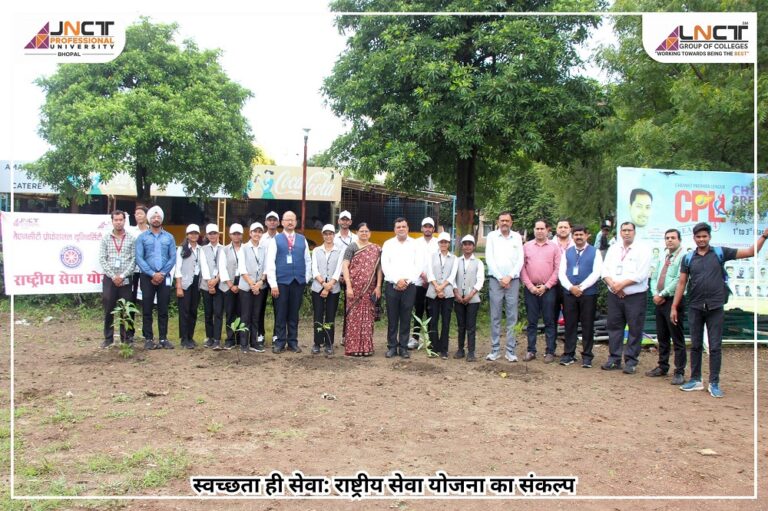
450 96
159 112
675 116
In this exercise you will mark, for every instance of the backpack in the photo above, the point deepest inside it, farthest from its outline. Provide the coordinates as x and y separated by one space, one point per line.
720 257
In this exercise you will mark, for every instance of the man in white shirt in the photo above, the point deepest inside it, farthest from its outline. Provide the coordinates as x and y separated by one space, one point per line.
345 236
579 273
504 257
342 240
402 263
428 246
625 271
271 221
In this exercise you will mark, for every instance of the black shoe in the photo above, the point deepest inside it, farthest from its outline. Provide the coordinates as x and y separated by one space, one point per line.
216 345
275 349
471 357
678 379
586 363
329 351
459 353
567 360
165 344
190 345
315 349
392 352
630 369
107 343
444 355
149 344
297 349
228 345
610 366
244 349
208 343
656 371
259 348
405 354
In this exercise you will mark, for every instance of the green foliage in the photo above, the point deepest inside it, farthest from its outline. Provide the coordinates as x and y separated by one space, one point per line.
124 314
238 326
126 350
424 341
446 96
158 112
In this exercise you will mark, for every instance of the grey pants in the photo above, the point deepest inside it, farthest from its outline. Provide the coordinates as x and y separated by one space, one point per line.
506 298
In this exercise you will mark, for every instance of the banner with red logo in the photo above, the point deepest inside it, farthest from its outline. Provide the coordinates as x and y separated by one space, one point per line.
656 200
50 253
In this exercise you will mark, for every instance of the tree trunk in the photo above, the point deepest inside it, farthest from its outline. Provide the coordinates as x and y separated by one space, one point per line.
143 185
465 194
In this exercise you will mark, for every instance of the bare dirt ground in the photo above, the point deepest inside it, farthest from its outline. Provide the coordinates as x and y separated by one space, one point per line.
92 423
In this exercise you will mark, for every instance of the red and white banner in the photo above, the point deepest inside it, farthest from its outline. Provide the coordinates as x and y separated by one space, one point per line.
52 253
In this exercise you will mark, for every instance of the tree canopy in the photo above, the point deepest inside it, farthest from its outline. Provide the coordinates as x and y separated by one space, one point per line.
451 97
159 112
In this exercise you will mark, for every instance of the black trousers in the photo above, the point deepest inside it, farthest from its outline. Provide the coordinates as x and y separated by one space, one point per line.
399 308
287 308
420 306
324 314
466 319
188 305
263 311
149 292
213 305
110 294
577 310
628 311
232 311
250 305
666 331
440 312
713 319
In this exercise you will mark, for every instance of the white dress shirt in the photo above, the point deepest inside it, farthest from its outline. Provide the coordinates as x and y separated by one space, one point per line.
633 263
504 256
271 269
594 276
401 260
427 250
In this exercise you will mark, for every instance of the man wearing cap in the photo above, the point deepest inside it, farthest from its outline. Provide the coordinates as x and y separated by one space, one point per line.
603 239
504 257
401 262
539 275
341 240
289 268
117 255
625 271
213 296
229 281
156 256
707 293
271 221
470 276
427 245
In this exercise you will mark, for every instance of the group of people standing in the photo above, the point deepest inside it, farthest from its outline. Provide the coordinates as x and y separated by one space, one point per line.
421 276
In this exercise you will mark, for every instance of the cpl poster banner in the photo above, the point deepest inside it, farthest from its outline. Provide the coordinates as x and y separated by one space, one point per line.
52 253
656 200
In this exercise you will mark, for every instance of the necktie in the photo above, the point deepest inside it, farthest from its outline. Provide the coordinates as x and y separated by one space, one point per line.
663 274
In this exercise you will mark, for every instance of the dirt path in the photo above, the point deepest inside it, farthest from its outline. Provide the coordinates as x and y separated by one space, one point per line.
97 423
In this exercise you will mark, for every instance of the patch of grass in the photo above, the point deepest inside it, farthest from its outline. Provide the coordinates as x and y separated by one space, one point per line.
119 415
58 447
20 411
200 400
160 413
122 398
214 427
285 434
65 415
145 468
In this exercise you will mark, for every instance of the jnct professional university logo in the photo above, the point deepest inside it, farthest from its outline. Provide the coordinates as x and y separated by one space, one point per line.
71 256
87 39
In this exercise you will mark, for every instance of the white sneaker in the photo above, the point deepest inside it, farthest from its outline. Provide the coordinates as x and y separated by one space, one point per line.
261 339
493 356
413 344
511 358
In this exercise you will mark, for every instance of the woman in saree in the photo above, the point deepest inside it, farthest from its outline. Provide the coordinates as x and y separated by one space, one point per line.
362 272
